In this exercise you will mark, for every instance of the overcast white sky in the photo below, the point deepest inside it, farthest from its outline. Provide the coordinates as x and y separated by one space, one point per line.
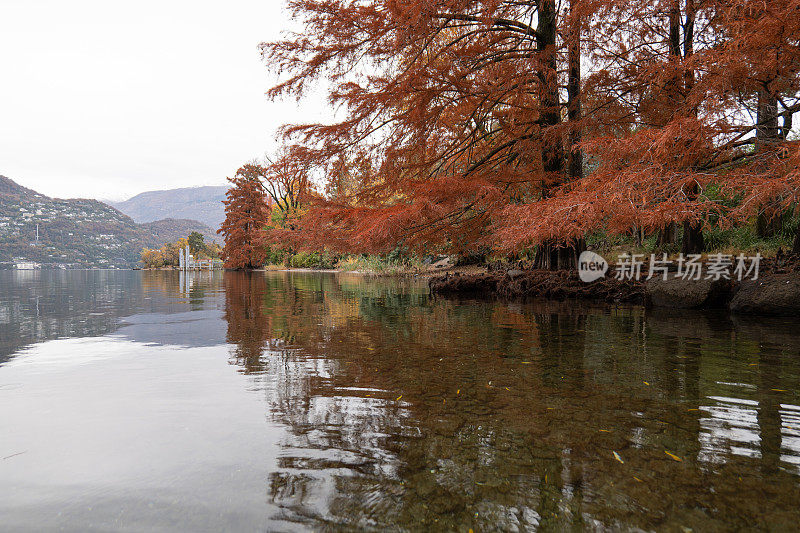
105 99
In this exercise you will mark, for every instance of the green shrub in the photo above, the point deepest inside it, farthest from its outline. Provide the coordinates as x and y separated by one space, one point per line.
743 239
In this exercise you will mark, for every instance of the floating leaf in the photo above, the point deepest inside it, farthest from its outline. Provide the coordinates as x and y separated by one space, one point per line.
646 383
673 456
618 458
398 398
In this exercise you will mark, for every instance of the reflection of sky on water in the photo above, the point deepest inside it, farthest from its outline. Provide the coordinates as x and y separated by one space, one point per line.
730 426
49 304
790 431
189 329
335 435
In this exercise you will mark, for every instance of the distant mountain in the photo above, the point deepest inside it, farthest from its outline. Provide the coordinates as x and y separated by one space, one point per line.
79 232
195 203
172 229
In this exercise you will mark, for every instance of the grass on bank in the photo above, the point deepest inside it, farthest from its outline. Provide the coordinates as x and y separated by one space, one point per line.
392 263
731 241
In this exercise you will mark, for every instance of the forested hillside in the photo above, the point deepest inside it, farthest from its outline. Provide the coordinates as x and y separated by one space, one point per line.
78 232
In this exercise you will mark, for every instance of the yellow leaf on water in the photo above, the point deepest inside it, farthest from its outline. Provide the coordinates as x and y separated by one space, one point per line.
693 409
399 397
673 456
526 362
646 383
458 391
618 458
779 390
637 479
506 388
604 430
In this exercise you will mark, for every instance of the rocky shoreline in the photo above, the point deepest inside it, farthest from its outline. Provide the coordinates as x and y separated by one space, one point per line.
775 292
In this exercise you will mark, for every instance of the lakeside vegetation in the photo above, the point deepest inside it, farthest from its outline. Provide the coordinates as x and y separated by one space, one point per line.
528 131
168 255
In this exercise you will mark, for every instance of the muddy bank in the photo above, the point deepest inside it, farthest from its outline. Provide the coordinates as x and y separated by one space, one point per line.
775 292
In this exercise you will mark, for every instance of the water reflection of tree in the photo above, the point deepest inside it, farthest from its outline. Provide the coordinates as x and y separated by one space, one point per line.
509 413
248 329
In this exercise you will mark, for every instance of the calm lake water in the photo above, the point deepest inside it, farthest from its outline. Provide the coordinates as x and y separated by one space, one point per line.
153 401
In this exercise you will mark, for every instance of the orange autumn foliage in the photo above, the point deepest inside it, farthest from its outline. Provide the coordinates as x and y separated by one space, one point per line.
246 217
470 123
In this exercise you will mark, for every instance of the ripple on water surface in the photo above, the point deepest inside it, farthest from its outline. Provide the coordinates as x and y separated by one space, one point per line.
277 401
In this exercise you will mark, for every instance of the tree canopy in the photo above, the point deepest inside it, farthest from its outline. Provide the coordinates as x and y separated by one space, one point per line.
510 125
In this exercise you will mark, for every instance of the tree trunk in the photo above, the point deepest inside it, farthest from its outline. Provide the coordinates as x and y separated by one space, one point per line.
552 147
796 245
574 110
693 242
769 222
787 124
767 131
688 48
667 235
639 235
768 134
553 255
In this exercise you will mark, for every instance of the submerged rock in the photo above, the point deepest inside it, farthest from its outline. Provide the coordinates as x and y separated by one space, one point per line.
775 294
443 262
514 273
